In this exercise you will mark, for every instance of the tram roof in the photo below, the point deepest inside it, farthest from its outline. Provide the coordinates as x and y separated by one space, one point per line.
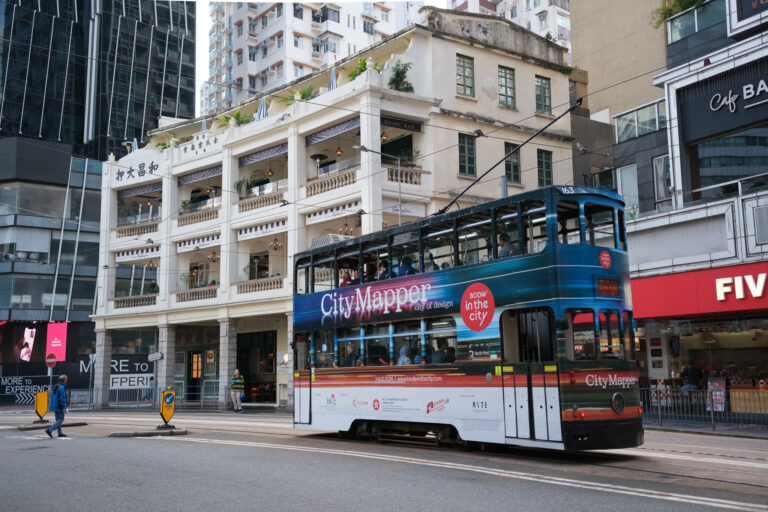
539 193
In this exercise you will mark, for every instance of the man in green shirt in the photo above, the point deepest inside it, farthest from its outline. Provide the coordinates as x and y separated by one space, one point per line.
238 386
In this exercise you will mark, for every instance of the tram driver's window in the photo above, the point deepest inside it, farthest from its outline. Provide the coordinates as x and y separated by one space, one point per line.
474 234
599 225
437 246
322 273
302 277
405 253
581 337
534 226
568 230
323 349
610 335
507 235
441 341
348 263
377 345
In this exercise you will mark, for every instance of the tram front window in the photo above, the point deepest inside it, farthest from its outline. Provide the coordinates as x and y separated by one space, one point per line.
581 335
568 230
610 335
599 225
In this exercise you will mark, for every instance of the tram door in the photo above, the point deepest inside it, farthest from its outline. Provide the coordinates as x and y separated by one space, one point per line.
302 380
531 390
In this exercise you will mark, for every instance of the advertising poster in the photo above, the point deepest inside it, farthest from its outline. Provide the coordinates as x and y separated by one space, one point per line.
56 341
716 394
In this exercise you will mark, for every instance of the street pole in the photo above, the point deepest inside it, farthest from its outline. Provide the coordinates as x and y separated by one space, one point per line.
399 194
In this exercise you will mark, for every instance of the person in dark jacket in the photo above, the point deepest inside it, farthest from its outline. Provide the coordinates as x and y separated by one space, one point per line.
59 406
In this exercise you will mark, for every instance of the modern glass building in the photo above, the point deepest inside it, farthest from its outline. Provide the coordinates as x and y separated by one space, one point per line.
78 79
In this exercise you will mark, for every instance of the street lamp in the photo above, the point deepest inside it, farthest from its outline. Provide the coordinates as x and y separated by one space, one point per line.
399 180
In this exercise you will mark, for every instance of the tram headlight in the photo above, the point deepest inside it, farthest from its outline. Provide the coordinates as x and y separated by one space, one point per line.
617 403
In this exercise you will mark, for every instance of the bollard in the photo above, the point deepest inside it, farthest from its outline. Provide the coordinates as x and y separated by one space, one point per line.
711 407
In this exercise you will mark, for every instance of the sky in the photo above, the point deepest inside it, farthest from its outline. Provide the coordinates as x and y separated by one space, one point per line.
203 25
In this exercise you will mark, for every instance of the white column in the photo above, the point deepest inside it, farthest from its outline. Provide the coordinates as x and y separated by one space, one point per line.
228 248
227 358
289 350
101 368
296 236
167 345
371 178
167 271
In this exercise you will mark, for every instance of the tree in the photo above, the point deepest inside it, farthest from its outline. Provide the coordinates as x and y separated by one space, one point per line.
238 117
398 81
670 8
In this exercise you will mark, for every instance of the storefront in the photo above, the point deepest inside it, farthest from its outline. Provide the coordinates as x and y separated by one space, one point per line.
716 318
196 364
256 360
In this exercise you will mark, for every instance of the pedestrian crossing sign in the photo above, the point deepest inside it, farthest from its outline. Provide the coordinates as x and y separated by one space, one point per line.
41 404
167 405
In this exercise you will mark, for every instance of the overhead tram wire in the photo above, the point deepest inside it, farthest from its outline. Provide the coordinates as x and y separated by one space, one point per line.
576 104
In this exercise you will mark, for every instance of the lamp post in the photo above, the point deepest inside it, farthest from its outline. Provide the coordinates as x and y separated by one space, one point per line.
399 181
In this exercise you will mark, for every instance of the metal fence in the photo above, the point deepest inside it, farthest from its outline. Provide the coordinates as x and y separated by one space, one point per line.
742 409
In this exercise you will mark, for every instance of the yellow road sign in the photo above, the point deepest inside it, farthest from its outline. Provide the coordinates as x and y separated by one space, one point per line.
41 403
167 405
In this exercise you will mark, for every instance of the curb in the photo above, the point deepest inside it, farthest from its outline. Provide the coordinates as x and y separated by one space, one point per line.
718 433
24 428
151 433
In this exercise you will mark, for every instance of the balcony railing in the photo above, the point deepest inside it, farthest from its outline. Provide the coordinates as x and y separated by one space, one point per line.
141 218
261 285
207 292
256 202
135 301
197 217
332 182
408 175
137 230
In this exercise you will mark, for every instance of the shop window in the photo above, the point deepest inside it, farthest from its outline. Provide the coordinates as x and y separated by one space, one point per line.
437 242
348 264
534 226
474 237
568 230
600 227
377 345
610 335
507 233
322 273
581 336
349 346
405 253
441 341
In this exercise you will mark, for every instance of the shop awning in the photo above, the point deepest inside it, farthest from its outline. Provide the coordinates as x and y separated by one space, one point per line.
200 175
265 154
140 190
333 131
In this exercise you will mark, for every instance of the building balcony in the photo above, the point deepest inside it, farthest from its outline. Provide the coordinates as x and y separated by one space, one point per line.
195 294
135 301
267 284
269 194
408 175
137 229
334 176
227 62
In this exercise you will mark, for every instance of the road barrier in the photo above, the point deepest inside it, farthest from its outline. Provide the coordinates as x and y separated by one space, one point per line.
733 408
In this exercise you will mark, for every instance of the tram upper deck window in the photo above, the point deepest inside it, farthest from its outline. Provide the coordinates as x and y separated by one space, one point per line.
377 345
600 226
322 273
405 253
507 232
441 340
610 335
474 237
437 244
534 217
349 346
302 277
581 335
348 263
376 260
568 230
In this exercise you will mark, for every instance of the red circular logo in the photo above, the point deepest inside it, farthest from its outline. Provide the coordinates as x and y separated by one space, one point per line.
605 259
376 404
477 306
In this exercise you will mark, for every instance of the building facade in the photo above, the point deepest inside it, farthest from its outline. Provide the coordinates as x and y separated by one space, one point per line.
690 167
258 46
200 236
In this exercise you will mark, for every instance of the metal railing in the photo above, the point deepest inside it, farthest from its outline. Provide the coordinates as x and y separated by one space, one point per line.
733 408
131 398
202 396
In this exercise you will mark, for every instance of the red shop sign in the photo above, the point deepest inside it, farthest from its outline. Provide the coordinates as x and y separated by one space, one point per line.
736 288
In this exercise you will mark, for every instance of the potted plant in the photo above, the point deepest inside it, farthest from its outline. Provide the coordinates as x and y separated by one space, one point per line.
298 95
241 185
238 118
362 66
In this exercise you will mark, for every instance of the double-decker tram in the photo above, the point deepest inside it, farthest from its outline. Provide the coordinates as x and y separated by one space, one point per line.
509 322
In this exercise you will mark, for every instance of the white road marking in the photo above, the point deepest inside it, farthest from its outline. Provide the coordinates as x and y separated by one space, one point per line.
515 475
680 457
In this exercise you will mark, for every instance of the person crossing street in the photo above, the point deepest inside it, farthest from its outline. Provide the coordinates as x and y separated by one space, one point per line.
238 387
59 406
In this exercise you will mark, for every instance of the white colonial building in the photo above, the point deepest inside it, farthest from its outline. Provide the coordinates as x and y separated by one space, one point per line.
201 224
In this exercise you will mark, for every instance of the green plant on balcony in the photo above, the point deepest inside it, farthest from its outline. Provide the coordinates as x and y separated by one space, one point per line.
670 8
299 95
362 66
161 145
398 81
241 186
238 118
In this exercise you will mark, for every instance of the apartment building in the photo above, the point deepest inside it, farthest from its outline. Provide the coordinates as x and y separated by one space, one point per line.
200 236
257 46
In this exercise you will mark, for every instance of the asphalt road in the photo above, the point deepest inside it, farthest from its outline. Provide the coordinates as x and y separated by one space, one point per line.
259 462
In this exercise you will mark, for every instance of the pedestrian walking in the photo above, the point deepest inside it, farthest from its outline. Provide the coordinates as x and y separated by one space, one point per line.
238 387
59 406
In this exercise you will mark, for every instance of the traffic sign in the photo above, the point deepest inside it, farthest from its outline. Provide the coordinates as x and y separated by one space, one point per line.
41 403
167 405
50 360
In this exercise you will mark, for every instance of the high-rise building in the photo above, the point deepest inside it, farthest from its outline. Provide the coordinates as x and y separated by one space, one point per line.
258 46
77 80
94 74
